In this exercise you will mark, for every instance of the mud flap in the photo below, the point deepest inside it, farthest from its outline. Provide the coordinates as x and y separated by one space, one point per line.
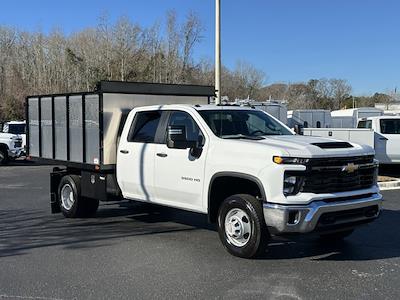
55 178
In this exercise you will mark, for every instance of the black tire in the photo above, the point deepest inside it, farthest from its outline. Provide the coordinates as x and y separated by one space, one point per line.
80 207
259 236
3 156
335 236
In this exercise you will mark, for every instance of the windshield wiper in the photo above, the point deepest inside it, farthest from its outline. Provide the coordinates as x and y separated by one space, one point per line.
242 136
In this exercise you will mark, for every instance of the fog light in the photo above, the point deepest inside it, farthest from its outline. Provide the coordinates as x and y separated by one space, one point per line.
294 217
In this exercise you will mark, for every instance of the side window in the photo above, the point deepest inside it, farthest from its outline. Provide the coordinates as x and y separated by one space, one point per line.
362 124
193 131
365 124
144 127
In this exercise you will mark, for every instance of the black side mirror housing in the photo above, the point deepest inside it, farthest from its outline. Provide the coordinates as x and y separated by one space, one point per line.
176 138
299 129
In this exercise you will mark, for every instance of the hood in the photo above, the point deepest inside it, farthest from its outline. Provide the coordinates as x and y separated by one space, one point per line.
311 146
10 136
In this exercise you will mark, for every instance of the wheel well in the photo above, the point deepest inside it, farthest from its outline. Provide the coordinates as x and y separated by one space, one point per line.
222 187
4 146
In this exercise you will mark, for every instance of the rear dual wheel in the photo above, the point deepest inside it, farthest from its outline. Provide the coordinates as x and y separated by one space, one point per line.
241 226
72 204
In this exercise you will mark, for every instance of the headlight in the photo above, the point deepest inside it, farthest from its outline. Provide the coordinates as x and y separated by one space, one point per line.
292 184
289 185
290 160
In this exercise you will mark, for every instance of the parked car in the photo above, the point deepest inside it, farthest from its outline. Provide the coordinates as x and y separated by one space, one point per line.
246 170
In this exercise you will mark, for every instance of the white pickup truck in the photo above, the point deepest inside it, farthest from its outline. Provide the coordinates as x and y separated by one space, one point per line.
243 168
381 133
11 141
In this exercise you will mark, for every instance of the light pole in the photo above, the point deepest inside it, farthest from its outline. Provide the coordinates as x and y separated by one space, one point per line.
218 51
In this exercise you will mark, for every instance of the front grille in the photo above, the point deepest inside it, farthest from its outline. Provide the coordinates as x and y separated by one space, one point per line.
18 144
331 176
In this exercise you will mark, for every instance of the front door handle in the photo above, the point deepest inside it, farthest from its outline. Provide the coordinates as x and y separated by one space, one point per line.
162 154
124 151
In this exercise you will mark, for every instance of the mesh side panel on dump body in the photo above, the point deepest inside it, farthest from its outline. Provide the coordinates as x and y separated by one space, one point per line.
92 138
46 127
33 105
60 127
75 129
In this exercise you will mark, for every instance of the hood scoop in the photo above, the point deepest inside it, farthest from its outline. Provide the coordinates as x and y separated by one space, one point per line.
333 145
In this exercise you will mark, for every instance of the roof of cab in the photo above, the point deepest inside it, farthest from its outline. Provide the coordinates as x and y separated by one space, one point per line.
221 107
380 117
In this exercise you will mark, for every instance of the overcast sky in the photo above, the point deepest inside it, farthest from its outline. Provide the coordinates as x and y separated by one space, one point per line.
290 40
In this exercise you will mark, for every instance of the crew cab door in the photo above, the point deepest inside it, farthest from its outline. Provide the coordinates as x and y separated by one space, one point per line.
135 159
179 177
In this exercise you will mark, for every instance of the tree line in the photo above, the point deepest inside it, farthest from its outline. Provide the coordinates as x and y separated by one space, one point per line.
46 63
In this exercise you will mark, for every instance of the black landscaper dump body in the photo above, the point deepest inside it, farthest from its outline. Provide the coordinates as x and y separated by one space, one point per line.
80 131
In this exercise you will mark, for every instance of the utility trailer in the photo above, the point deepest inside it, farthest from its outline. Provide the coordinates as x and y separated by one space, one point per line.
81 130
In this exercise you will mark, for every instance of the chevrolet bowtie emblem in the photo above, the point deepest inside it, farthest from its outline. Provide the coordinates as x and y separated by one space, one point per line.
350 168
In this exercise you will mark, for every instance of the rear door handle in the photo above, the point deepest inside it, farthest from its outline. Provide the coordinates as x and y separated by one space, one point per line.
124 151
162 154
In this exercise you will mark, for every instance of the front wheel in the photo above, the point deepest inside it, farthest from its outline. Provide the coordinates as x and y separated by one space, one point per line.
241 226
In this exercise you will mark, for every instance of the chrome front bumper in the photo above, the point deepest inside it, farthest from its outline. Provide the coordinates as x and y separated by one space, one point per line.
15 153
282 219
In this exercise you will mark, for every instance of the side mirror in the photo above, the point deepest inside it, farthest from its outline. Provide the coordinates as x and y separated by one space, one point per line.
176 138
299 129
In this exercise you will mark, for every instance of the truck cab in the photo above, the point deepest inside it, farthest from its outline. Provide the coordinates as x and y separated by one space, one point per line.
242 166
387 137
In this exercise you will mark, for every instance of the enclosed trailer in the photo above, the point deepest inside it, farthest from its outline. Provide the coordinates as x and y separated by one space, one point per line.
317 118
348 118
274 108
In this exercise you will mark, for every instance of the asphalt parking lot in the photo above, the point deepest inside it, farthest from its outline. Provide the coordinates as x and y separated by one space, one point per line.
134 251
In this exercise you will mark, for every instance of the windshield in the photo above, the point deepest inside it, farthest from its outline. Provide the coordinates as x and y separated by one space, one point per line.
15 128
242 123
390 126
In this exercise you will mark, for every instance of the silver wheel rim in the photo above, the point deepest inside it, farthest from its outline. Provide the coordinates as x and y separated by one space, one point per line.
1 156
237 227
67 197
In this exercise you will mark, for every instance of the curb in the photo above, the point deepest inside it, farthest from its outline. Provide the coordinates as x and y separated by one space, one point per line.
389 185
